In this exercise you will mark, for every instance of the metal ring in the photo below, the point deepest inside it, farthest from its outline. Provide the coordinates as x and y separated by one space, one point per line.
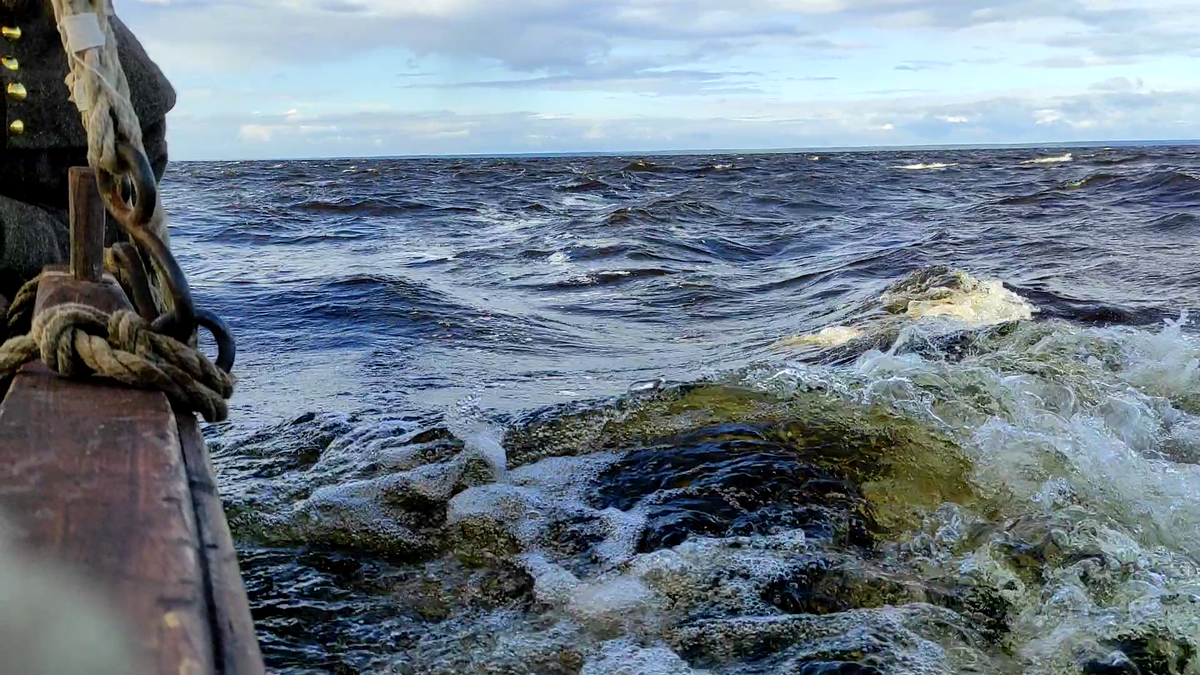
226 345
145 188
130 261
133 219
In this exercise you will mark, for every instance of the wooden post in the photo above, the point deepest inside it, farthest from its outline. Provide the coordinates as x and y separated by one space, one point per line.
111 481
87 224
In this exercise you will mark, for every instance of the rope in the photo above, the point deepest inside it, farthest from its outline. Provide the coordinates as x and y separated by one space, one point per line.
78 341
100 91
20 312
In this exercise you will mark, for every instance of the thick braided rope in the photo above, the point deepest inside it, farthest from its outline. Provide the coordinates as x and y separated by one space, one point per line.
79 341
100 91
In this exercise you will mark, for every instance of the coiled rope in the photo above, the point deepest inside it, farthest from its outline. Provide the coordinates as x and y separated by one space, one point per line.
80 341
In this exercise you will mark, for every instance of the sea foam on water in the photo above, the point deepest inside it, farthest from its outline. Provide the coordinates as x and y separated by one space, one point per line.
1026 502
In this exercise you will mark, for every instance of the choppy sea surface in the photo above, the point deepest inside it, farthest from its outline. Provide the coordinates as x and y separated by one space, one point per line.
895 412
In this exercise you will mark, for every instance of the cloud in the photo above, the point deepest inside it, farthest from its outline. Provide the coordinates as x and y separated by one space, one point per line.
1124 115
1119 84
631 76
916 66
567 36
565 75
1080 62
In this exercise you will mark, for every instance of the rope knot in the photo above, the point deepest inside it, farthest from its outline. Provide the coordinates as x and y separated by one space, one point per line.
129 332
58 333
80 341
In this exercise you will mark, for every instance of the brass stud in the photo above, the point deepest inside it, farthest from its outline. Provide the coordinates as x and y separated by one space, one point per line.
16 91
9 62
16 128
10 33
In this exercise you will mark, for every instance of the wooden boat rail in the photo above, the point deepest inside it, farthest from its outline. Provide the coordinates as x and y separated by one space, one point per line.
112 482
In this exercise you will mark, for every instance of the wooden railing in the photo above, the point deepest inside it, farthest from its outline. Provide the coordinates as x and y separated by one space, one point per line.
112 482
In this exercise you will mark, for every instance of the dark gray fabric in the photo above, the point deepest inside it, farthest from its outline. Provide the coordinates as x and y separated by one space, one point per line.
30 238
33 165
51 119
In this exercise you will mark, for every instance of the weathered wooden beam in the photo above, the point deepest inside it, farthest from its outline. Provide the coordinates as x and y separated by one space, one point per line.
112 482
88 214
88 475
237 648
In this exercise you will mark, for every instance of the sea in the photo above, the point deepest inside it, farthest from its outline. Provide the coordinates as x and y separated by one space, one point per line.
872 412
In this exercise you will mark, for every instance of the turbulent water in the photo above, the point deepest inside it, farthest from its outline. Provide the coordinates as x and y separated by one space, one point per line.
848 413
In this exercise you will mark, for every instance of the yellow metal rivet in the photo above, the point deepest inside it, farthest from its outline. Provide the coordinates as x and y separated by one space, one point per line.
10 33
16 128
17 91
9 62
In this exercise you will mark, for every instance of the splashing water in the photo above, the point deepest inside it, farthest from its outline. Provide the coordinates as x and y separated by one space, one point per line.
1057 159
946 474
1022 499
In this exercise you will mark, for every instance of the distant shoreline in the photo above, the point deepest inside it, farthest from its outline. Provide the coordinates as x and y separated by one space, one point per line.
734 151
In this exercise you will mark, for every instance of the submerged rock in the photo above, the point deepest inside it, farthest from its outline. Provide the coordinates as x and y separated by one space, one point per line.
1002 500
733 481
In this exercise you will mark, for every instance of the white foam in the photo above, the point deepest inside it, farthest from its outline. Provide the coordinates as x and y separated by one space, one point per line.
613 601
927 166
481 438
624 657
552 584
1058 159
1074 428
975 304
830 336
1072 433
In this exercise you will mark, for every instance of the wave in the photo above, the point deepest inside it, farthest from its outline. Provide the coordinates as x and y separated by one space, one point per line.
642 166
1057 159
1176 222
604 277
935 300
1135 189
1099 178
375 206
909 510
923 166
588 185
1104 160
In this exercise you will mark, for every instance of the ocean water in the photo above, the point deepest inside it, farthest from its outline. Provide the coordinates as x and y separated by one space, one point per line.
895 412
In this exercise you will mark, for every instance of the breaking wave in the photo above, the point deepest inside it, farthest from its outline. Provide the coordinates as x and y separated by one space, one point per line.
1056 159
923 166
982 492
944 424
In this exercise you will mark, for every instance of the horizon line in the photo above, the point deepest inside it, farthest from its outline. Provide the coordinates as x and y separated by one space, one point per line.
729 151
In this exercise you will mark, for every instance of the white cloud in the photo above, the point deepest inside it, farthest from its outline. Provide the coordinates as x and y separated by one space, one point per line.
255 133
565 75
1046 116
1096 115
265 133
565 36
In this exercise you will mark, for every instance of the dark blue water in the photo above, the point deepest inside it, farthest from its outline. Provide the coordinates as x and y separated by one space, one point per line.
412 283
375 299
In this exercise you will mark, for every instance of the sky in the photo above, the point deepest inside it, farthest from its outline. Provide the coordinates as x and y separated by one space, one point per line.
281 79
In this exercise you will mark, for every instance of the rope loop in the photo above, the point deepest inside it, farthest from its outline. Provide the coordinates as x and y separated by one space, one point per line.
80 341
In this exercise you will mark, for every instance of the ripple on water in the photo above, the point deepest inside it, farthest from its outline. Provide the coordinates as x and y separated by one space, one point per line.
937 473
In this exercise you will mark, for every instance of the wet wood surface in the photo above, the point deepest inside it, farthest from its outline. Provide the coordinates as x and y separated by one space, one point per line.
91 476
236 644
111 481
88 215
